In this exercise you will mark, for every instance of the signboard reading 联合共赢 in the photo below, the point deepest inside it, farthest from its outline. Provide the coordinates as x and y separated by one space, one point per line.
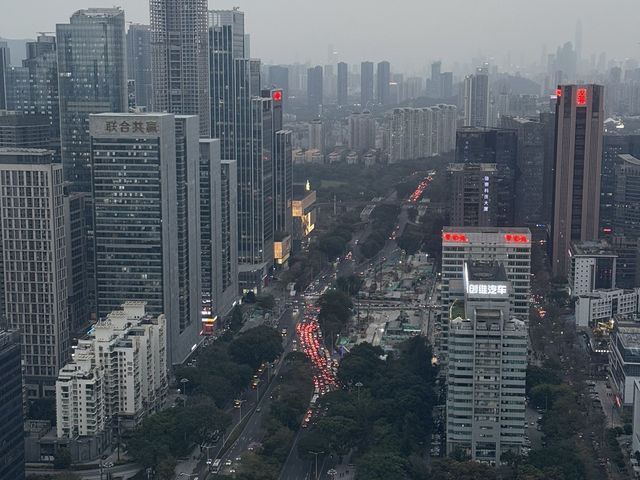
125 126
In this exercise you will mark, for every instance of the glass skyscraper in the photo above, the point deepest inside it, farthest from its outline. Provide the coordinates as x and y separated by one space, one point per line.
92 79
180 60
226 43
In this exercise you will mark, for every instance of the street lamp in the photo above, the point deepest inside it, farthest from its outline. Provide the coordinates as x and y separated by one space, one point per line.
316 455
358 385
184 382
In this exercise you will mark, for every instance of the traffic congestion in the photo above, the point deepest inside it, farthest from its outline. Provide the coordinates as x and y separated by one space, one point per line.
311 343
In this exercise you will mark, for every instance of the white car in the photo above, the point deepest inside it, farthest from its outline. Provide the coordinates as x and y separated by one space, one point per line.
228 463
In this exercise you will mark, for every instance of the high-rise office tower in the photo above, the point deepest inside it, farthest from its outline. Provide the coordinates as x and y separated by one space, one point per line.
383 78
366 84
80 293
548 121
5 60
509 246
314 87
343 81
473 201
613 146
34 262
229 231
435 83
627 196
12 431
218 212
282 182
226 44
499 146
180 59
578 159
529 183
92 79
147 231
446 80
476 98
139 62
38 94
487 366
279 78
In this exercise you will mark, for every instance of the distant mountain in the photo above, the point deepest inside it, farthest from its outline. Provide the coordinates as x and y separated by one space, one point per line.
18 50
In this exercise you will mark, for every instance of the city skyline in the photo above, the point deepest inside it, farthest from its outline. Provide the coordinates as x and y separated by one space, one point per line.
428 33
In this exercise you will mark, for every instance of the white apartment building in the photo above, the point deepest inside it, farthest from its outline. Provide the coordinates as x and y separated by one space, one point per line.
118 373
486 367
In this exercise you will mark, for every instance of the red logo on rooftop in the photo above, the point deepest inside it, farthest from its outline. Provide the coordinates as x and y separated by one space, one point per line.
277 95
454 237
516 238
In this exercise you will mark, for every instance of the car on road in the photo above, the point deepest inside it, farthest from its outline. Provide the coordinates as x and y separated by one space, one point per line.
209 461
228 463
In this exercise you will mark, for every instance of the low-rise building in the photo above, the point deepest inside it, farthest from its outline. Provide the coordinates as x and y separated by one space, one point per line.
592 267
118 374
304 212
603 305
624 361
635 437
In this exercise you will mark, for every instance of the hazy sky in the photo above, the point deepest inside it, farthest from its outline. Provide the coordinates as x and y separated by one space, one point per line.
409 33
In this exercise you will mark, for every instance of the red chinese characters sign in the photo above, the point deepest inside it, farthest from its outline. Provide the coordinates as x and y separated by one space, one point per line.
581 96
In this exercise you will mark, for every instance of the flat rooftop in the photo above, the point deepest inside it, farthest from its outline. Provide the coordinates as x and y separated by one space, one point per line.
592 248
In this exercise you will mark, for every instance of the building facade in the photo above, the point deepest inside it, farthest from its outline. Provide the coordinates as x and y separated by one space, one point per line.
118 375
366 84
624 361
498 146
578 159
592 267
139 63
487 367
226 44
529 181
92 79
343 82
146 210
11 417
34 262
383 78
473 194
314 87
509 246
180 59
476 99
